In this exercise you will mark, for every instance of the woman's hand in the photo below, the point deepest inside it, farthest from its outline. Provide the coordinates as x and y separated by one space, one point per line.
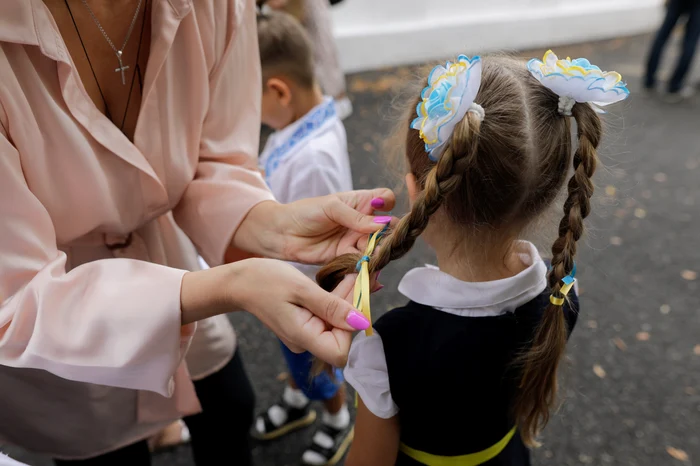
297 310
314 230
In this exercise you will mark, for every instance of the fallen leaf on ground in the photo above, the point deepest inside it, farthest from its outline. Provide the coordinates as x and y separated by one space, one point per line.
599 371
660 177
680 455
640 213
696 350
592 324
621 345
610 190
643 336
665 309
689 391
282 376
689 275
615 240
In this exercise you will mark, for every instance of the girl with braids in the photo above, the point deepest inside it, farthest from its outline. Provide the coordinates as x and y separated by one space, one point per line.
466 372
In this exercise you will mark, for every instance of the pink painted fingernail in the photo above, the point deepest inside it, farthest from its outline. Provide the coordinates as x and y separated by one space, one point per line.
383 220
357 321
378 288
377 203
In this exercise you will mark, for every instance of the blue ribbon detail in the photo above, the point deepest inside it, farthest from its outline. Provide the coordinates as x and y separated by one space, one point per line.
359 263
569 278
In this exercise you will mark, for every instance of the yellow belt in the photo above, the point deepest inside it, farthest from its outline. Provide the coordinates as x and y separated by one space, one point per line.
472 459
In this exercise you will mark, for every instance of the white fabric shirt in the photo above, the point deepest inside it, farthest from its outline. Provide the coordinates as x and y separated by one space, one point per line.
308 158
366 370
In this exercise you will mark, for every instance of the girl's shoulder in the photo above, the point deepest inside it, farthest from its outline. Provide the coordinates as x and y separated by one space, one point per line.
405 319
415 320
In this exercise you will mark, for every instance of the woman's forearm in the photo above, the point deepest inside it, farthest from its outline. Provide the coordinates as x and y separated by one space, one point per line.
259 233
207 293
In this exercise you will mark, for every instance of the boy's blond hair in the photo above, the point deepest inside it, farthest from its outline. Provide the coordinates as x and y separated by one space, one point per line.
285 49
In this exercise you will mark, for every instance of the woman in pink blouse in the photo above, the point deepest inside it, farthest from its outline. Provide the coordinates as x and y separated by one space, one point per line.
128 138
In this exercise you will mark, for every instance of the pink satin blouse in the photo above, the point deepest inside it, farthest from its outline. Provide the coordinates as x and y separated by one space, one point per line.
91 345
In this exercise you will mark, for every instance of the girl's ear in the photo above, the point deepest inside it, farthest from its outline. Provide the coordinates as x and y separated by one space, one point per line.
412 188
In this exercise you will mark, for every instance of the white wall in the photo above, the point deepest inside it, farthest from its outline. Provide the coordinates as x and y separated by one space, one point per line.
376 33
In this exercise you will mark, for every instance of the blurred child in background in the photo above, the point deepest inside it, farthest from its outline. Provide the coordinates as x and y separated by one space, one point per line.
305 157
315 16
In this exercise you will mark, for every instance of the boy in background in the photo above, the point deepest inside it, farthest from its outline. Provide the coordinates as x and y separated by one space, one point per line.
305 157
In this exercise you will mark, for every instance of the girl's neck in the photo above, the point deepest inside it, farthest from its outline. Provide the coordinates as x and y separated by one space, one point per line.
480 265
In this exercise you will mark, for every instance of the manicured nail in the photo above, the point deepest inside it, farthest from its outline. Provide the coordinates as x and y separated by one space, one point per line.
378 288
377 203
383 220
357 321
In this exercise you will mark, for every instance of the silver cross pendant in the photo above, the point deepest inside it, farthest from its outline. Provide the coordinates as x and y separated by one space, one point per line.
121 67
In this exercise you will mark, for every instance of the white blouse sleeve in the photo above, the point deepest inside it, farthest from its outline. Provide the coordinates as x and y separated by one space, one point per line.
367 373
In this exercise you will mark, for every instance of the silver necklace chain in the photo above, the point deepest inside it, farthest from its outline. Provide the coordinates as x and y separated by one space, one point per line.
118 52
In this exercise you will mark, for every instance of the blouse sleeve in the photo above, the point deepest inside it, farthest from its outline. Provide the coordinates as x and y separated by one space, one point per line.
227 182
367 373
112 322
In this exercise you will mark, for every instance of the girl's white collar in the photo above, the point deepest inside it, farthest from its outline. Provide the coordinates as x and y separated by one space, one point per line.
431 287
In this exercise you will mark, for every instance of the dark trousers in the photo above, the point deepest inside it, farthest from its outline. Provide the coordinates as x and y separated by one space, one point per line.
220 433
676 10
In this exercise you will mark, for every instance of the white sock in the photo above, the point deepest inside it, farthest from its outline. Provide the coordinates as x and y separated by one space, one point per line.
294 397
339 420
278 416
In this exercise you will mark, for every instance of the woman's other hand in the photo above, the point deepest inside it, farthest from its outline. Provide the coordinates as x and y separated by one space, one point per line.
290 304
320 229
315 230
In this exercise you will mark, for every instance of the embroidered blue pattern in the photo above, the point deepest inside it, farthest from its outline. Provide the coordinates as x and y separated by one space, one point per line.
310 123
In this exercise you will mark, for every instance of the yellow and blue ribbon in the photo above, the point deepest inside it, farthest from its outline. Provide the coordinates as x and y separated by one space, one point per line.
568 283
362 283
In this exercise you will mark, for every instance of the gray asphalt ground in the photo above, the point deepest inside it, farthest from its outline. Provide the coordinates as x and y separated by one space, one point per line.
633 381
